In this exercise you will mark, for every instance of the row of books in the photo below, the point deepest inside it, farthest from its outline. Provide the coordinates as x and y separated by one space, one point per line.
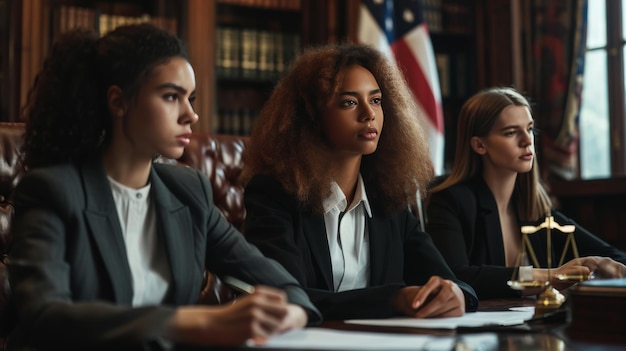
237 121
71 17
238 110
432 15
449 16
292 5
457 17
110 22
453 71
246 53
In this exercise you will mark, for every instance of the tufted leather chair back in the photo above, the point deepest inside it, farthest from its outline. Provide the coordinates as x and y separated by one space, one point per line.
217 156
10 174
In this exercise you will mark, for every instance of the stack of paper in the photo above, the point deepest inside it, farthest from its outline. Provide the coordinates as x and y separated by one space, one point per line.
330 339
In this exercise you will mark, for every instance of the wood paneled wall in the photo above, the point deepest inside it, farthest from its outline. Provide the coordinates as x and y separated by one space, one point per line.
598 205
200 36
34 44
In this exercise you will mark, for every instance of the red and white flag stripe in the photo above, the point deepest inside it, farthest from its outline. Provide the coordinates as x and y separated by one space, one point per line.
414 54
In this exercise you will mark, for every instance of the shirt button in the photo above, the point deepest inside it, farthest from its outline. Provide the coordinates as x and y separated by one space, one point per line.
138 195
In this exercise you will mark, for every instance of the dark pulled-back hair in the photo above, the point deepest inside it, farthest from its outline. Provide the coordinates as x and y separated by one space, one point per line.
288 144
66 114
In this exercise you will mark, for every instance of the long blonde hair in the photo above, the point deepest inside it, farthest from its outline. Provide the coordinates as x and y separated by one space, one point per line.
476 118
287 142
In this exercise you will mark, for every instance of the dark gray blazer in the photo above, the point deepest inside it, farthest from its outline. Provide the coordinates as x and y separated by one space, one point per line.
400 254
464 224
69 274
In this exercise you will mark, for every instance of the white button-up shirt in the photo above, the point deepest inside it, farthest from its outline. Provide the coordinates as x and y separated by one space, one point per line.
147 259
348 239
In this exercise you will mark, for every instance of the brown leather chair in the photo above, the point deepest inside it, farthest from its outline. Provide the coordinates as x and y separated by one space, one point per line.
10 173
217 156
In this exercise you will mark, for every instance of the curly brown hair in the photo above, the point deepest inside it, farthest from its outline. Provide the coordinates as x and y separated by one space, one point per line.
287 142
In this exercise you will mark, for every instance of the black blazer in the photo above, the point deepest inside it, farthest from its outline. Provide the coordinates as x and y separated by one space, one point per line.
464 224
399 253
69 274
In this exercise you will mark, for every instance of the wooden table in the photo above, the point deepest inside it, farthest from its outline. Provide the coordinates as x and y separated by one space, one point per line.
549 334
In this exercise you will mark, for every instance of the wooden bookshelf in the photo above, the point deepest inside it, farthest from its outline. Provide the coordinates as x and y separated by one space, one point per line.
242 47
598 205
477 45
106 16
5 16
39 22
254 44
238 48
455 46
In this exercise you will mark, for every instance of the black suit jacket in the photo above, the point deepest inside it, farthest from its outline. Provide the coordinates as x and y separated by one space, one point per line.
399 253
69 273
464 224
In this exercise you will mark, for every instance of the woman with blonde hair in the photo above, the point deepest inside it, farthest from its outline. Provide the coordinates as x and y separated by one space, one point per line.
474 215
333 166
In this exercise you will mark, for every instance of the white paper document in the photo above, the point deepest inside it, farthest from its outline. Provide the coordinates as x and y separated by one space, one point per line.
470 319
329 339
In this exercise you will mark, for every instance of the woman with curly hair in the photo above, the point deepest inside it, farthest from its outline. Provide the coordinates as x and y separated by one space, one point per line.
474 215
109 248
332 167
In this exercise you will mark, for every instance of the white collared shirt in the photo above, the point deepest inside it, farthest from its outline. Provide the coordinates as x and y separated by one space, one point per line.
348 239
148 262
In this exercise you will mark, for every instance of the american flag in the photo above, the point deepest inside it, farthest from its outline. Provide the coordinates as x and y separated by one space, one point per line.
398 29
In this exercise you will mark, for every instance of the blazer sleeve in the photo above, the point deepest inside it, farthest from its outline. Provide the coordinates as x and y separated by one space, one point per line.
276 224
226 251
422 260
47 315
50 313
587 243
452 217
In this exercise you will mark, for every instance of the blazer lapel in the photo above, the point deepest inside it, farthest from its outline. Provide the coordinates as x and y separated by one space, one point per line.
493 230
379 247
315 234
175 227
105 228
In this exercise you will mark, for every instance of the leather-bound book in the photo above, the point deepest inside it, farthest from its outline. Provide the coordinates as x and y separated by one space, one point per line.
598 311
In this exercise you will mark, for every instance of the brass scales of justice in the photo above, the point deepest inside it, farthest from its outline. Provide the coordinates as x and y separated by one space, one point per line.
549 299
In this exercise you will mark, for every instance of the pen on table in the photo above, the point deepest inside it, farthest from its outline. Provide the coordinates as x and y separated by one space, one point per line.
238 285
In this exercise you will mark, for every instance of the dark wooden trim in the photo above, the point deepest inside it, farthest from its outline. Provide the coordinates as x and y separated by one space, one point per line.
615 57
351 15
314 22
481 44
594 187
11 63
598 205
200 36
499 43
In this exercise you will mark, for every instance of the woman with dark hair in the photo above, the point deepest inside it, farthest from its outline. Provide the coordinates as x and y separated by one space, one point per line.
109 248
474 215
333 166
